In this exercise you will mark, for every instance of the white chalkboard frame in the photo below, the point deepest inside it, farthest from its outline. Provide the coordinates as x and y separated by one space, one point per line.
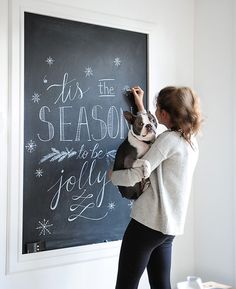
16 261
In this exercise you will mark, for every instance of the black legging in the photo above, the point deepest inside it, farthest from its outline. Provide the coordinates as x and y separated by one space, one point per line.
143 247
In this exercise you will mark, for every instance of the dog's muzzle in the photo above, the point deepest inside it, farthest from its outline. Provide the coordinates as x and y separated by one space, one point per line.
149 128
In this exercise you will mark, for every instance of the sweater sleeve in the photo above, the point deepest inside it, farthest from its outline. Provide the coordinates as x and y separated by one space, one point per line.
156 154
127 177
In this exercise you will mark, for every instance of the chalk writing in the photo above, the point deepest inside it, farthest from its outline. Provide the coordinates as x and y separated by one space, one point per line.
69 90
83 153
96 124
106 89
87 178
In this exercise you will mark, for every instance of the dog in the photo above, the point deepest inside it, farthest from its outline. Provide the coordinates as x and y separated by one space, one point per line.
140 137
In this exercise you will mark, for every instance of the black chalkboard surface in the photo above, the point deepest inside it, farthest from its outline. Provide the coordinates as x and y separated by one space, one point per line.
76 80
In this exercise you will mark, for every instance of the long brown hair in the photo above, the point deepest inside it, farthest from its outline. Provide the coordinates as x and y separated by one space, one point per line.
183 106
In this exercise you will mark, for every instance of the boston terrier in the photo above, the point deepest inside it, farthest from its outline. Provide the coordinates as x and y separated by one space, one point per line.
140 137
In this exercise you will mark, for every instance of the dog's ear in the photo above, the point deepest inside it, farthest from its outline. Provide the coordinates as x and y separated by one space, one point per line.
129 117
152 118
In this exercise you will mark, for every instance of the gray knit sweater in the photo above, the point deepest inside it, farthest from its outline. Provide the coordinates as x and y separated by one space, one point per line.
163 205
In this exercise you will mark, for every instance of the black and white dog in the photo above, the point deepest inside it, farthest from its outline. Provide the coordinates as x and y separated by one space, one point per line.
140 137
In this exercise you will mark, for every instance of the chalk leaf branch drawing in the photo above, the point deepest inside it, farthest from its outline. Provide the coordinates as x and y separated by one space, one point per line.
57 155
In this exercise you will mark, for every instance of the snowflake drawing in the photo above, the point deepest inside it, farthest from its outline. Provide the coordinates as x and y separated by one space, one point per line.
88 71
117 61
43 227
31 146
35 97
50 60
56 155
111 206
39 173
130 204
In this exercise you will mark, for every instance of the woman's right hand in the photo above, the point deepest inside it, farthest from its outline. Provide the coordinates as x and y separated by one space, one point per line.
138 97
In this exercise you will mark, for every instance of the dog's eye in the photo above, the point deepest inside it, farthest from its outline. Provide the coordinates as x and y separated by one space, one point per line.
141 123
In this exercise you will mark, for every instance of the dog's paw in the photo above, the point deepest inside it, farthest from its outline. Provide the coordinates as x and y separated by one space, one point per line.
146 169
145 165
145 184
138 163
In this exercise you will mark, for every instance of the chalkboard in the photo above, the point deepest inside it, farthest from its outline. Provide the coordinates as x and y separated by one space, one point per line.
76 86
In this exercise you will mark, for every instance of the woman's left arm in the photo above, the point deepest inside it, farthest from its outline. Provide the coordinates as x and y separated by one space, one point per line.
129 177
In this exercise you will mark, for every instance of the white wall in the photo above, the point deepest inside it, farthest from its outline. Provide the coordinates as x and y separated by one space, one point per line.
214 183
172 64
234 137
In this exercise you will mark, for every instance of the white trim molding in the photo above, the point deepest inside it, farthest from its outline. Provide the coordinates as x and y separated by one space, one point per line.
234 133
4 152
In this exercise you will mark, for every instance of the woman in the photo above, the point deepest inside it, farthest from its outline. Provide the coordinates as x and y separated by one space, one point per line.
158 215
